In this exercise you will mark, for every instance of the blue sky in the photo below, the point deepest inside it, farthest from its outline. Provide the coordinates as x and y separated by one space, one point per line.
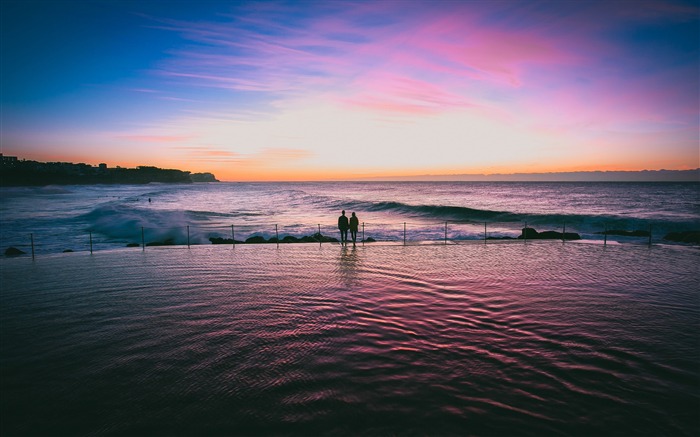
314 90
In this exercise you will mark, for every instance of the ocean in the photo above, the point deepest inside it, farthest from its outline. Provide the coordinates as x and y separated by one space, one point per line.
60 218
457 336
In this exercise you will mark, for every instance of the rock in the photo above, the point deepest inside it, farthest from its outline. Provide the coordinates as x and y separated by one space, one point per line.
257 239
323 239
68 251
531 234
528 233
203 177
683 237
219 240
13 251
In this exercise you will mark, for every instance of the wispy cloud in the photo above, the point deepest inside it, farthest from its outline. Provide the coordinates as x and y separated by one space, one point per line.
154 138
420 58
264 156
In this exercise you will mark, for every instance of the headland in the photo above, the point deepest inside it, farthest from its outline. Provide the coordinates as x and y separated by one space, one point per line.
16 172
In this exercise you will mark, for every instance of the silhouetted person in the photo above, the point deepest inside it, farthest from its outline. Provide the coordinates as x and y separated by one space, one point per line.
343 226
354 224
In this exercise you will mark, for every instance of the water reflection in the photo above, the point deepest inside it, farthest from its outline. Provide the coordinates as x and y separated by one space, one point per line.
349 266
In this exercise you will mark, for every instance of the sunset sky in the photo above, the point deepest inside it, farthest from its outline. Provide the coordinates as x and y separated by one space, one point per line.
342 89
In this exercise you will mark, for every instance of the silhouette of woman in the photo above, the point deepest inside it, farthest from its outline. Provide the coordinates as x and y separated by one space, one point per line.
354 224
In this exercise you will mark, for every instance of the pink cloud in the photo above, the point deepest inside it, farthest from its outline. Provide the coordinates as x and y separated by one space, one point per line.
395 93
425 58
154 138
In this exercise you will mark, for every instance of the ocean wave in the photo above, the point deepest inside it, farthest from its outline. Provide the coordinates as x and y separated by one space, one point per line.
125 222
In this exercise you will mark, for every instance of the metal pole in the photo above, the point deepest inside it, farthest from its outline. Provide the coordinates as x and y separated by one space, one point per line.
143 240
563 234
31 237
484 232
404 233
90 242
277 236
605 239
525 233
445 233
233 236
188 236
319 235
363 233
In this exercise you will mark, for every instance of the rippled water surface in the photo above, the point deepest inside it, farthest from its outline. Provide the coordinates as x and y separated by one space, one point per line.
498 339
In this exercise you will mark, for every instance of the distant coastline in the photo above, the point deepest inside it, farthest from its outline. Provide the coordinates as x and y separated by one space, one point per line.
16 172
578 176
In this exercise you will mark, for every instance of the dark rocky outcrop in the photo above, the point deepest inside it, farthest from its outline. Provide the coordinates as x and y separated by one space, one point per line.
256 239
13 251
219 240
683 237
532 234
324 239
203 177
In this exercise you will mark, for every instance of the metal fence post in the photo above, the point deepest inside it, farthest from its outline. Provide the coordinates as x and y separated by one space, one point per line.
445 233
363 233
404 233
525 233
563 234
31 237
233 236
605 239
277 236
90 242
484 232
320 240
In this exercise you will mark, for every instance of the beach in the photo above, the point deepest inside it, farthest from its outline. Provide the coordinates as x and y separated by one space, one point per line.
471 339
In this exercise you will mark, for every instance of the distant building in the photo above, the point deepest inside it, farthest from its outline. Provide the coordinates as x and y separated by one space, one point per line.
8 159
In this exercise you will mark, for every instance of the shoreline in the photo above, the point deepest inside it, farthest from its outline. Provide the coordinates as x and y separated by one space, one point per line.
178 248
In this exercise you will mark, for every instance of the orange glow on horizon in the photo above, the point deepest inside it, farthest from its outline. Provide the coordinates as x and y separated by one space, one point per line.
255 171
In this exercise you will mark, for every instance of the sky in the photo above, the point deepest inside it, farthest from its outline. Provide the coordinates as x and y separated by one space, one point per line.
306 90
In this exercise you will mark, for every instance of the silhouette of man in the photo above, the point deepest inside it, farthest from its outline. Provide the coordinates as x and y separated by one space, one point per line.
354 224
343 226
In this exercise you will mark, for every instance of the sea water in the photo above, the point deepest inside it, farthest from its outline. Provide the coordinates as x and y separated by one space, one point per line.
463 338
538 338
59 218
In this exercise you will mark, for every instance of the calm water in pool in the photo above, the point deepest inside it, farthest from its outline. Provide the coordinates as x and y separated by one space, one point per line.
498 339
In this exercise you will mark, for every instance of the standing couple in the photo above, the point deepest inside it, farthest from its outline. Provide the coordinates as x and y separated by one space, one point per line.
344 225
